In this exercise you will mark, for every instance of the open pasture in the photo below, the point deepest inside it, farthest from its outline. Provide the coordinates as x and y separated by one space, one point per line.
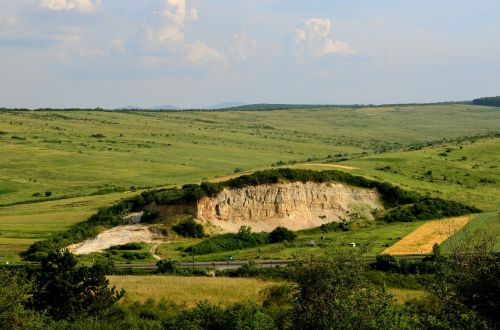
74 153
80 153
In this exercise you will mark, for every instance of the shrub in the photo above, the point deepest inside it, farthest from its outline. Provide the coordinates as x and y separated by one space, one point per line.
167 266
280 234
98 136
127 246
48 193
189 228
228 242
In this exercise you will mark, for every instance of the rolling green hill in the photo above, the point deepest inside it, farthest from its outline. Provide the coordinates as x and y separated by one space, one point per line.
73 153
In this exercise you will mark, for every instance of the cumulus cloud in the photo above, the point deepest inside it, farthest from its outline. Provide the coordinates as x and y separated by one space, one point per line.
165 34
241 47
174 17
314 39
201 54
83 6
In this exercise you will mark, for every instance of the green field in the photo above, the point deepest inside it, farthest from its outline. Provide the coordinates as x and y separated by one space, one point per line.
100 155
376 237
485 225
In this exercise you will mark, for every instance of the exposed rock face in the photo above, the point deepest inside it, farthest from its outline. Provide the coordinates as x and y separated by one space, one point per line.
293 205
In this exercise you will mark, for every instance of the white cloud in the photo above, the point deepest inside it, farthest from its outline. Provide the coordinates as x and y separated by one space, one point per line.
174 16
314 39
165 34
241 47
82 6
201 54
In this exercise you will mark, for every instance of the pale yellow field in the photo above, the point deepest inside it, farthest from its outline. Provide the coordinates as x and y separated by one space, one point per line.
190 290
403 295
422 239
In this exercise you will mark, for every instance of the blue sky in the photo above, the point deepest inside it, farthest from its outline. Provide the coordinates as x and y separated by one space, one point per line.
194 53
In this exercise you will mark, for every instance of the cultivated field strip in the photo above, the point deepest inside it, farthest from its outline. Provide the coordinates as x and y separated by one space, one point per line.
421 240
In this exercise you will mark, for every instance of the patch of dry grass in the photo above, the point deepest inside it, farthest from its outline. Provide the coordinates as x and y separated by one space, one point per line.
190 290
421 240
401 296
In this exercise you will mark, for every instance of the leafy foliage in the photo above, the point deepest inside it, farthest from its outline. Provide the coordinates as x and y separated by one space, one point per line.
280 234
332 292
189 228
66 291
227 242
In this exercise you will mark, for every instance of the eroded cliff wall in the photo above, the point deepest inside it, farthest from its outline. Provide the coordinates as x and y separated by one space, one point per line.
293 205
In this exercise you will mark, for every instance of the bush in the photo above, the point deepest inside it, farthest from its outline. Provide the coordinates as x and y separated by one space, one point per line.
189 228
48 193
427 209
167 266
127 246
228 242
280 234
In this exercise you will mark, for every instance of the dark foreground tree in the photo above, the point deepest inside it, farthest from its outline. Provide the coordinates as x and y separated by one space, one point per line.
332 292
14 293
67 291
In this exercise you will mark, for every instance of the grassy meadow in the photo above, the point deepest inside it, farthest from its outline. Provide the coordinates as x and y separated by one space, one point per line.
89 159
74 153
21 225
190 290
376 237
466 172
222 291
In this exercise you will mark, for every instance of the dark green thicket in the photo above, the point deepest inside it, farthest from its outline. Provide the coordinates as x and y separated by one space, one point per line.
242 240
426 209
227 242
493 101
401 205
189 228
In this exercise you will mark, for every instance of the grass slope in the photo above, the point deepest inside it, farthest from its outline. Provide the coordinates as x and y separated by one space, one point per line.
81 152
22 225
463 172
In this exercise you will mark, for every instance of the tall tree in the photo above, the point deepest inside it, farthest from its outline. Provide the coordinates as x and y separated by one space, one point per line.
66 290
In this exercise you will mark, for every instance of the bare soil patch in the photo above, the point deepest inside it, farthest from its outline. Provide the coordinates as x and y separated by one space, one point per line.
118 236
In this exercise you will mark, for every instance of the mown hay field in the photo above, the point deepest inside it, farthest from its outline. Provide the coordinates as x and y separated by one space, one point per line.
422 239
190 290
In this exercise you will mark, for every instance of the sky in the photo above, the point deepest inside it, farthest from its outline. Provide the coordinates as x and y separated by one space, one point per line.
197 53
